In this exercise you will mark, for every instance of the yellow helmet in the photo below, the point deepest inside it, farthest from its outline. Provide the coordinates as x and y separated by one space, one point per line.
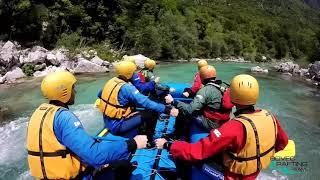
202 63
58 86
149 64
129 58
126 69
207 72
244 90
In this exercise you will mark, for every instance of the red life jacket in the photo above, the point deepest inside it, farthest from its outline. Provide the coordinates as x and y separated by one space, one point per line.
141 76
221 115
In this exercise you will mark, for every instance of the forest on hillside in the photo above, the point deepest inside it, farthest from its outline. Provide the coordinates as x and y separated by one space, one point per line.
168 29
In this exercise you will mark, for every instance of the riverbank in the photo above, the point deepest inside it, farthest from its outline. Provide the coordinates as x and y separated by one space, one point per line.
19 64
311 74
22 65
293 103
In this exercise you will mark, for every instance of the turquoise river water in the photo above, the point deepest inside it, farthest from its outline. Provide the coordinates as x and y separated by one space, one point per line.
297 105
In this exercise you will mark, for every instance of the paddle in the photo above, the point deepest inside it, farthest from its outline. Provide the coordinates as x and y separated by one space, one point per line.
288 152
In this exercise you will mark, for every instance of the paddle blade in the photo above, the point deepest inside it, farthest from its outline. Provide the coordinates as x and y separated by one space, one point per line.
97 103
288 151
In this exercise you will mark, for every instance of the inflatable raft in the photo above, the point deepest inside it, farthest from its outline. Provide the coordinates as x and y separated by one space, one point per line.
157 164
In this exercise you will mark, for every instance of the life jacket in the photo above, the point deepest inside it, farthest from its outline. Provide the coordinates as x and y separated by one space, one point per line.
142 76
109 104
261 134
47 158
222 114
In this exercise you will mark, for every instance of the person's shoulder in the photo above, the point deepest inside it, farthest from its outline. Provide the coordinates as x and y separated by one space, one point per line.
233 125
128 88
65 115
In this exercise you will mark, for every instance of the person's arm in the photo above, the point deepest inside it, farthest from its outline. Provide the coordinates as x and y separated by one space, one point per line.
142 87
150 76
196 105
197 84
228 136
282 138
69 132
133 95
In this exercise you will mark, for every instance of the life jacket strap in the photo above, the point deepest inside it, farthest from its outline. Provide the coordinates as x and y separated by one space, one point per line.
62 153
241 159
258 154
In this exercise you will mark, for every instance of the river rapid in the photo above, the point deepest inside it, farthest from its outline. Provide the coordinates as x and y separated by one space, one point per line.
297 106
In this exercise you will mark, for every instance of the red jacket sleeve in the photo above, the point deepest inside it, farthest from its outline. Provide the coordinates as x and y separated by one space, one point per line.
197 84
228 136
282 138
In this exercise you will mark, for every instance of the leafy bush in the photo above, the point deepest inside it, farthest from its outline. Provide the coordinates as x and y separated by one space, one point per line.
167 29
28 69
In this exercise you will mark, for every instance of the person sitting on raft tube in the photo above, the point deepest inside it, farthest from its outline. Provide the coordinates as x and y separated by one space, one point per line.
119 99
197 84
58 146
139 81
147 75
212 102
248 142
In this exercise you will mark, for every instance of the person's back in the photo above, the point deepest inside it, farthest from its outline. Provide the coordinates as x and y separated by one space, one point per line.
119 99
197 83
207 108
58 146
248 141
139 81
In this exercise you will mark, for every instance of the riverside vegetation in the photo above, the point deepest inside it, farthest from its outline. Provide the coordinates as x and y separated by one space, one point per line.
168 29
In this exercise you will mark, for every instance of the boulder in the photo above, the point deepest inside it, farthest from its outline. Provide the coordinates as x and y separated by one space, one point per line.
37 55
2 79
194 59
52 58
287 74
308 80
49 69
97 60
9 55
1 44
61 56
304 72
68 65
314 71
258 69
89 54
85 66
3 70
287 67
264 58
56 57
40 67
296 71
139 59
13 75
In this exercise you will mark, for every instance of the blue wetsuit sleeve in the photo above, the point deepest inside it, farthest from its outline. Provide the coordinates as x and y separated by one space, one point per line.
70 132
142 87
133 95
100 94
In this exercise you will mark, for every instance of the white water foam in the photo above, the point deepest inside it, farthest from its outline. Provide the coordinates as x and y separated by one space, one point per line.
274 176
12 141
25 176
90 117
